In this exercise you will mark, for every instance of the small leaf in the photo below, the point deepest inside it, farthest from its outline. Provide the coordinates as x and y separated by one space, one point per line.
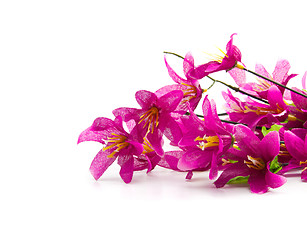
274 127
275 166
238 180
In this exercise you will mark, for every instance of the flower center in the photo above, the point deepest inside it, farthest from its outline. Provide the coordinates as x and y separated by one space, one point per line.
205 142
283 150
147 147
151 118
255 163
217 57
190 91
263 85
263 111
118 142
303 162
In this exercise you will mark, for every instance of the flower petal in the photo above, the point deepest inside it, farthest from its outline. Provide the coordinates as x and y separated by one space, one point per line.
101 163
238 75
299 101
274 180
128 113
156 141
170 128
126 162
173 74
304 174
275 98
170 101
170 160
247 140
89 135
168 88
195 158
260 69
270 146
145 99
304 80
295 146
257 182
281 70
188 63
233 170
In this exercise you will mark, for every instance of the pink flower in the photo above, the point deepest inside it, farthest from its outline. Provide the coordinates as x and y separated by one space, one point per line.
191 89
230 60
252 160
254 113
204 142
261 87
296 143
119 145
154 118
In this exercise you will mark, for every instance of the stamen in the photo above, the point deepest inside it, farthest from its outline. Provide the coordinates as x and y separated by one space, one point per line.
119 142
255 163
263 111
191 90
147 146
225 162
291 117
303 162
205 142
151 118
216 57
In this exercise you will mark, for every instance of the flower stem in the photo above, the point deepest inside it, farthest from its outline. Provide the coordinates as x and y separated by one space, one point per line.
222 120
174 54
222 114
238 90
272 81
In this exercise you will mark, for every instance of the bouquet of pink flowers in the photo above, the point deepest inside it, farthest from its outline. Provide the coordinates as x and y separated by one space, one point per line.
257 141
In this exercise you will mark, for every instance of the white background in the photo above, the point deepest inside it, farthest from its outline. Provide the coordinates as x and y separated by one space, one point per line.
64 63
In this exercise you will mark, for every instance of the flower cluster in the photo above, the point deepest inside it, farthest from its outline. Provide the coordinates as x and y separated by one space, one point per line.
256 142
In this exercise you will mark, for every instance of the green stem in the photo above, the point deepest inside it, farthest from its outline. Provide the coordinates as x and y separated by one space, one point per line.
238 90
225 121
223 114
276 83
174 54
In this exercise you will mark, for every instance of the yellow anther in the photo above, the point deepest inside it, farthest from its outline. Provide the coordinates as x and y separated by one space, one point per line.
190 91
119 142
303 162
225 162
205 142
291 117
151 118
255 163
147 147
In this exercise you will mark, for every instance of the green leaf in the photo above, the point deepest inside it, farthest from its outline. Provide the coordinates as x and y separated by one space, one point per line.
238 180
275 166
274 127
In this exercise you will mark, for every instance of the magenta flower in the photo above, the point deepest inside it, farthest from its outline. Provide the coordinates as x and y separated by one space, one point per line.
299 101
253 160
254 113
120 145
296 144
191 89
230 60
204 142
261 87
154 118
